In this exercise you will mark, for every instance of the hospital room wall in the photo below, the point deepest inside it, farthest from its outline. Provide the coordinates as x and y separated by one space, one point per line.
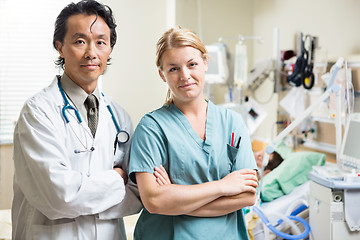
133 80
213 19
332 21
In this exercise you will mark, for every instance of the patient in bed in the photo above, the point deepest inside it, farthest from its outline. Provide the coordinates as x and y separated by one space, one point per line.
286 170
274 160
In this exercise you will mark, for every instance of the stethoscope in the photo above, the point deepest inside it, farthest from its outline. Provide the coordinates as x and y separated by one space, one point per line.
122 136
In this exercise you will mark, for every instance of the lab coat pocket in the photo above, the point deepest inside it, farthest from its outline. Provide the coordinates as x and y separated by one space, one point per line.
57 231
232 152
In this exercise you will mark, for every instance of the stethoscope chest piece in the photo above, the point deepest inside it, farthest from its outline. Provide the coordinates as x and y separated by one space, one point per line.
122 137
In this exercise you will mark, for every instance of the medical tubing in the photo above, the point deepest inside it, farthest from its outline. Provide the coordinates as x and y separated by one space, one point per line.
113 118
265 161
336 66
282 234
230 94
67 104
286 220
291 224
347 73
298 210
338 130
296 207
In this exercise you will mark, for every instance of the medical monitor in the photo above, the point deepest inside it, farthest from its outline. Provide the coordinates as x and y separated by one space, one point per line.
350 147
218 71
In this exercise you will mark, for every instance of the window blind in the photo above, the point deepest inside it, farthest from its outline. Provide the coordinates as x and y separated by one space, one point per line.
26 55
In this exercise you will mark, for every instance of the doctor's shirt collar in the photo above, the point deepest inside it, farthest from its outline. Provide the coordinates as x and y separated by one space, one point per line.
76 94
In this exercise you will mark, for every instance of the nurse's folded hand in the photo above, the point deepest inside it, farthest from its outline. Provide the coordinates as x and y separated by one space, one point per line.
162 178
244 180
122 174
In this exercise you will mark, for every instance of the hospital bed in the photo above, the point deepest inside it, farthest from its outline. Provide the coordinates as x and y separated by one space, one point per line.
282 206
283 191
293 173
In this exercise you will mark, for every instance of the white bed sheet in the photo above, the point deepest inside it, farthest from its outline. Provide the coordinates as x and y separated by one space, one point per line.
281 204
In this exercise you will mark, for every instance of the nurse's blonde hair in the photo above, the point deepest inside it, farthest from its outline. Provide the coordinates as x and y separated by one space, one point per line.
175 38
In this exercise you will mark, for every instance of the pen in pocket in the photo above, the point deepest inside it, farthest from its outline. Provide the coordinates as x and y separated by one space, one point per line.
238 144
232 139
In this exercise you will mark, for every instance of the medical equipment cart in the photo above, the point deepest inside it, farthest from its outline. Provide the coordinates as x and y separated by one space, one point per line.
334 207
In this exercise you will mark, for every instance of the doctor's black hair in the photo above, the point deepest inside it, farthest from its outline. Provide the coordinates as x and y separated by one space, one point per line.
88 7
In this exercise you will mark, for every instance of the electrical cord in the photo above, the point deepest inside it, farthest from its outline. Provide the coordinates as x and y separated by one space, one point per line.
266 101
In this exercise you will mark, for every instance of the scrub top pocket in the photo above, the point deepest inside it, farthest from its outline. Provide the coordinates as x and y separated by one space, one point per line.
232 153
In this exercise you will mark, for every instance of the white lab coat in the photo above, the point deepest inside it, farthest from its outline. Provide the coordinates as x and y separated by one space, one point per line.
59 194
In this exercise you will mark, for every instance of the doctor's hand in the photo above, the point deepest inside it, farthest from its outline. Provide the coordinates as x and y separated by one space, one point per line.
244 180
162 178
122 173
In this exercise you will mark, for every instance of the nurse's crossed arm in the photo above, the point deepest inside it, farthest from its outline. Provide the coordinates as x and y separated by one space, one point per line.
161 175
233 192
218 207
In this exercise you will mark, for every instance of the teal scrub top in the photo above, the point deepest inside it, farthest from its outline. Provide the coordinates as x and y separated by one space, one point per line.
166 137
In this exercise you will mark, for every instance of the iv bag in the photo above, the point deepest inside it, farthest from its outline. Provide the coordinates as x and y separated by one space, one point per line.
343 79
241 65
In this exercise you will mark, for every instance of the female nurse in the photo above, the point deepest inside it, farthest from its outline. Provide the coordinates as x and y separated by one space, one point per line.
204 149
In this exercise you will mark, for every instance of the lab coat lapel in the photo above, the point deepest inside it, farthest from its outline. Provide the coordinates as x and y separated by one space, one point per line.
104 117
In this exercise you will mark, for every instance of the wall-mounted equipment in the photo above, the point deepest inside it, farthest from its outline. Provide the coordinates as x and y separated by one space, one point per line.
218 71
303 69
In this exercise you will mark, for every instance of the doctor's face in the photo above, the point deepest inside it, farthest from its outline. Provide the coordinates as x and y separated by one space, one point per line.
183 69
86 49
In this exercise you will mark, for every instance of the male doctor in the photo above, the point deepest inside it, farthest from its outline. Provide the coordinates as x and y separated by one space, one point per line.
70 171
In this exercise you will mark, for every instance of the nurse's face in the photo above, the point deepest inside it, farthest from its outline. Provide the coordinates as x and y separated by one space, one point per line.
184 71
86 49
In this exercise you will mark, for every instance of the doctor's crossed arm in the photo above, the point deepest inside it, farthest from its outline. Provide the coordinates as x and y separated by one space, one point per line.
71 166
122 173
